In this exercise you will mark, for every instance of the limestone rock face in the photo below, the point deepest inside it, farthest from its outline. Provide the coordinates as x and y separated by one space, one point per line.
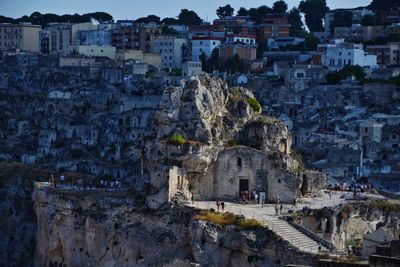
101 230
17 224
217 246
92 229
209 115
343 224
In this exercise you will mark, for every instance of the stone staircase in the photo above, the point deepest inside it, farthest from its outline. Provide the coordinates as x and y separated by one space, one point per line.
283 229
293 236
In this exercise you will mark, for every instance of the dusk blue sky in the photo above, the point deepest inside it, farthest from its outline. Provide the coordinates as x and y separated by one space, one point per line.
132 9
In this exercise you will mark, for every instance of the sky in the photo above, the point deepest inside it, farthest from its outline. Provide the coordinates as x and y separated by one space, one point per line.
133 9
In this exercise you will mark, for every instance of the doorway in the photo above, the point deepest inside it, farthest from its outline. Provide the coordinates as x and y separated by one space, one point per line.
243 185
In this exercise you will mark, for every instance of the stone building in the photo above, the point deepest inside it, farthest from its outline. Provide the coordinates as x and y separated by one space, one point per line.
239 169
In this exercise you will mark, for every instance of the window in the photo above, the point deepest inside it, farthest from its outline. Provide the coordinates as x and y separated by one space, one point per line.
239 162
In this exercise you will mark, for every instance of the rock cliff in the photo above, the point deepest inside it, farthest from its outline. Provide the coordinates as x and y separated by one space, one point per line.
345 223
114 230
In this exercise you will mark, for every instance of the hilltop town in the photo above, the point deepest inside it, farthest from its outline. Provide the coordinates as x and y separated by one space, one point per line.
289 105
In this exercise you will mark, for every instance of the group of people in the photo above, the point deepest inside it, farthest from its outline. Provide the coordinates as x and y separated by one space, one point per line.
84 184
220 204
247 197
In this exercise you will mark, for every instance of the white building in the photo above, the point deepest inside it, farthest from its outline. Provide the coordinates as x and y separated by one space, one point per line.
171 50
242 38
204 45
338 54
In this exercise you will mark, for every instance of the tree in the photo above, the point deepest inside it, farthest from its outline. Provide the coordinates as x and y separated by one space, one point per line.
343 18
261 48
167 30
311 42
149 18
369 20
280 7
43 19
170 21
100 16
189 17
347 71
258 14
294 19
204 62
314 11
235 64
224 11
4 19
242 12
214 60
381 5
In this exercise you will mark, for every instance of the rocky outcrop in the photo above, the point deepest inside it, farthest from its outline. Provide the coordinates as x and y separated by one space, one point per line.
17 224
216 246
209 115
100 229
346 223
106 230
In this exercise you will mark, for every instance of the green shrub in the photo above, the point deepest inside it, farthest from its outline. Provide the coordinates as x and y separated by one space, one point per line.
177 139
254 104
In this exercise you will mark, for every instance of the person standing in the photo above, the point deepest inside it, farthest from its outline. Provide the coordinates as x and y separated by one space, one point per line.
256 198
218 205
281 209
276 209
222 206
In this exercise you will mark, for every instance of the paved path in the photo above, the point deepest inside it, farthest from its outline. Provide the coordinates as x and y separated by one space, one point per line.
266 215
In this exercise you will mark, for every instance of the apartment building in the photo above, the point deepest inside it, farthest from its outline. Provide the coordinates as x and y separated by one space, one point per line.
388 54
274 27
137 37
171 50
204 45
60 38
23 36
246 52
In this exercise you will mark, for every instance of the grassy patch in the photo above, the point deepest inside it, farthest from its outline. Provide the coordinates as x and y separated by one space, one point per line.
225 219
384 205
254 104
177 139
